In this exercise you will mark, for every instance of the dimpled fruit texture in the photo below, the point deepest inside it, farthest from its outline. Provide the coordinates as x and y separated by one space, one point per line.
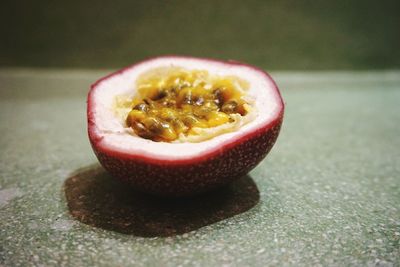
142 164
188 178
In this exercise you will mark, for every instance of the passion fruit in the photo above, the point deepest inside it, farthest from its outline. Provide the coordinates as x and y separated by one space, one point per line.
178 126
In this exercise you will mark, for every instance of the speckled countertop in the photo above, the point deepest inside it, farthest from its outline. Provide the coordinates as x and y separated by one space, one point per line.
327 194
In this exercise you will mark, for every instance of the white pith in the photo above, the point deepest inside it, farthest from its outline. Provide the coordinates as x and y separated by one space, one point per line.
113 134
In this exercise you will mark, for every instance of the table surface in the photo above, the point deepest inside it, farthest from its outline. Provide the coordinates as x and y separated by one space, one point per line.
327 194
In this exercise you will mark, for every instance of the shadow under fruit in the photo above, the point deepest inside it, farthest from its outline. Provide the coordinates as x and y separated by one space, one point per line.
96 199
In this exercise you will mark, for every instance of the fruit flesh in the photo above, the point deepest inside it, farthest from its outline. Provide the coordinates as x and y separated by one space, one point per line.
187 168
175 102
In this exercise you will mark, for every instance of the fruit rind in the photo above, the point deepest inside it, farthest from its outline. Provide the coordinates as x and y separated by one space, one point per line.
195 174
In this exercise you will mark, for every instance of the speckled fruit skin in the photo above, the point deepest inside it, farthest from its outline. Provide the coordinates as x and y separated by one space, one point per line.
192 175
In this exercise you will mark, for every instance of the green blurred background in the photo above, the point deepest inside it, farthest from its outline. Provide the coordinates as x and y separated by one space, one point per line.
275 35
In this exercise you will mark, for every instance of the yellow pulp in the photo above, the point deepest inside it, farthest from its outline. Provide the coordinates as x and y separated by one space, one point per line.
174 102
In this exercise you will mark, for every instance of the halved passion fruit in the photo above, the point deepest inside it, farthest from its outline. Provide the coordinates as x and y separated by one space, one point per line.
179 125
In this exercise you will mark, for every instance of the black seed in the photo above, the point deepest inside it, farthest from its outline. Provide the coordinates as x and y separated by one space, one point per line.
188 99
142 107
153 125
219 98
141 130
161 94
199 101
230 107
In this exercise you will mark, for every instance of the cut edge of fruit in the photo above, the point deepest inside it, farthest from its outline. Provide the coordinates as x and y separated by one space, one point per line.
100 138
